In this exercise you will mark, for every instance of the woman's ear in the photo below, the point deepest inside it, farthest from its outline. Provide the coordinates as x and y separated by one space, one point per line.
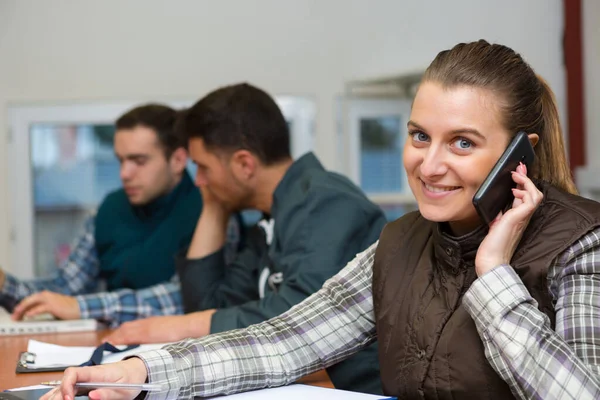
533 139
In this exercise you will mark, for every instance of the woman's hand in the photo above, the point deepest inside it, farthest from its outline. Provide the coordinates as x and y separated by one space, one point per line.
132 370
506 230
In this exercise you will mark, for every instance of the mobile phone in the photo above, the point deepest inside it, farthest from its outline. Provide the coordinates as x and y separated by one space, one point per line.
495 192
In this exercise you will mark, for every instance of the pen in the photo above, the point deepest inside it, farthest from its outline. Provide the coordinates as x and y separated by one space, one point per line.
148 387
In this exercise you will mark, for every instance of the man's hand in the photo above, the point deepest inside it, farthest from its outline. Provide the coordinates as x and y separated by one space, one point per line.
164 329
132 370
59 305
211 229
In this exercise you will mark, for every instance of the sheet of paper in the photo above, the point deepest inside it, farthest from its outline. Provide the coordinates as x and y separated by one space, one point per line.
52 355
301 392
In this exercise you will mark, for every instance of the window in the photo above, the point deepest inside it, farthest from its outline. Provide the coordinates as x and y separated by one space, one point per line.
381 155
73 167
68 152
375 132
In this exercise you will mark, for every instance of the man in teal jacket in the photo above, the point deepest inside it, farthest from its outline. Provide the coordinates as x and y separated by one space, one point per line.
315 222
131 242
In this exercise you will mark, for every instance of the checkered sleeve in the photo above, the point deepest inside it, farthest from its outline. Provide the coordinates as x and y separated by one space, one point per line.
124 305
535 360
77 274
329 326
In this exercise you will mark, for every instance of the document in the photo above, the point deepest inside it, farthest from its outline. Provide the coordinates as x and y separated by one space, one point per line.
301 392
48 355
291 392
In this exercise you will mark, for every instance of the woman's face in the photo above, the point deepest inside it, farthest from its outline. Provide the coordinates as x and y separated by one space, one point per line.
454 139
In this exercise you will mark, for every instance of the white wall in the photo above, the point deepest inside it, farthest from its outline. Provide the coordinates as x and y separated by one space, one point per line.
147 49
591 72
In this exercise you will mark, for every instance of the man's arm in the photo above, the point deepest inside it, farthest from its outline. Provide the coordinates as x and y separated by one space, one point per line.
316 249
124 305
214 282
78 274
537 361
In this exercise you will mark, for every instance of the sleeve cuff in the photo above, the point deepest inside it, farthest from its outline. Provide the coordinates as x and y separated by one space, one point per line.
97 306
161 370
224 319
211 261
196 277
495 294
83 308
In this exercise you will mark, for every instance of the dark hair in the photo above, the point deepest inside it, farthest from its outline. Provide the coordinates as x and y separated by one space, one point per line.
157 117
238 117
526 101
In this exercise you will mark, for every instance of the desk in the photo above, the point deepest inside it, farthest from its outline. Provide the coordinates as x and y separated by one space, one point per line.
11 346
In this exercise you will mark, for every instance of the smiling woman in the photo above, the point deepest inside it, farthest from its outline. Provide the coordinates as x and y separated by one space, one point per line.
451 132
461 309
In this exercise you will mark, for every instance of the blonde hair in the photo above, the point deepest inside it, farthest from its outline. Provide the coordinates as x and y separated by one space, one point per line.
526 101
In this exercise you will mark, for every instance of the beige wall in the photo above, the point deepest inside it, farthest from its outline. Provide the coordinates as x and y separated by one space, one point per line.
63 50
591 71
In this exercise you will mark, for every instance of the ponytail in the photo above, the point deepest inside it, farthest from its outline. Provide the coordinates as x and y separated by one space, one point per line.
551 161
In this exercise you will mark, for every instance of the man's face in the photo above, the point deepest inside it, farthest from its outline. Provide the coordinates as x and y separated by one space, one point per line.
216 173
145 171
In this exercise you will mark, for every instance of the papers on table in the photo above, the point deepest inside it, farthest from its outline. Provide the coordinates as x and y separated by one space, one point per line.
49 355
302 392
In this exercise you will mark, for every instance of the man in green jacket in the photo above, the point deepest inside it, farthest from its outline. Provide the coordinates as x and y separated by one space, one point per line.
315 221
131 242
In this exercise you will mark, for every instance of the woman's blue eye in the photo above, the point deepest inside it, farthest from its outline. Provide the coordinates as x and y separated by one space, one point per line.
420 136
463 144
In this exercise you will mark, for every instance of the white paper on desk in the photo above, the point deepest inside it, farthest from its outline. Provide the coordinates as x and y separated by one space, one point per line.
301 392
53 355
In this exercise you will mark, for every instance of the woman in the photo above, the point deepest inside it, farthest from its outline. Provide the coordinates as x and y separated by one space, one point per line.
461 310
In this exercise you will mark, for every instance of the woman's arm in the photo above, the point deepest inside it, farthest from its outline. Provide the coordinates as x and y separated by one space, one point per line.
536 361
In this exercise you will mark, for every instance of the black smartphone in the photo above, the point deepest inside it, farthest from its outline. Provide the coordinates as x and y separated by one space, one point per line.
495 192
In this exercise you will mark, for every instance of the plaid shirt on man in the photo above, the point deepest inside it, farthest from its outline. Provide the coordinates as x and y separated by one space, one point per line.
78 275
536 361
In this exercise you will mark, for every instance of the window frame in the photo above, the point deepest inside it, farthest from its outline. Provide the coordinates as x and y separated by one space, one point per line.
357 108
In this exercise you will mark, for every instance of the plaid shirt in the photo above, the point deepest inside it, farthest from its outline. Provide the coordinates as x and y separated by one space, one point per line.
536 361
79 275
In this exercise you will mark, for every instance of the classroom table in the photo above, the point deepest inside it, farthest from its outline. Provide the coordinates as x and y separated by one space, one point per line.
11 346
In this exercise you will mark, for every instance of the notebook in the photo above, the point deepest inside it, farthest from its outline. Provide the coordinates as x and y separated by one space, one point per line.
43 324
